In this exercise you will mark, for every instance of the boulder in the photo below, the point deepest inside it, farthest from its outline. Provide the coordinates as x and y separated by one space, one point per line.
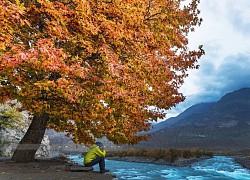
9 139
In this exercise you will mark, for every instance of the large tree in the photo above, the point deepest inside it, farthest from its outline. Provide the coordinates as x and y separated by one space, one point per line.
94 68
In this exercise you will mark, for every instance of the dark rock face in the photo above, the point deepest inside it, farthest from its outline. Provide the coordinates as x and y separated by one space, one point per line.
224 125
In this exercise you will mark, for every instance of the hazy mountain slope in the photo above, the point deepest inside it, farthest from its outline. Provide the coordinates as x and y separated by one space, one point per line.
225 124
198 108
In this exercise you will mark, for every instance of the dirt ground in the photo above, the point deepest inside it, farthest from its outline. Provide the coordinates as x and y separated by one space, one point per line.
45 169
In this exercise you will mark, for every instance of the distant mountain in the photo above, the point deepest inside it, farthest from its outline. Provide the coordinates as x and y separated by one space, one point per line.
196 109
57 138
224 125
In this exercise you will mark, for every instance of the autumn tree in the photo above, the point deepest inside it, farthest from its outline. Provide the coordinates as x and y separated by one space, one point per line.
94 68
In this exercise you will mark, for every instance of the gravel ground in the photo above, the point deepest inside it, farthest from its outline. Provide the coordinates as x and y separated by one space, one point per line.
45 169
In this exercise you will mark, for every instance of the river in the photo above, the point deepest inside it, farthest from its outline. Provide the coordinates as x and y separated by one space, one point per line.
216 168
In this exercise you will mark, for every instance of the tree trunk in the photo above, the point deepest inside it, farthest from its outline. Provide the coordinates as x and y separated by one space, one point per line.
27 147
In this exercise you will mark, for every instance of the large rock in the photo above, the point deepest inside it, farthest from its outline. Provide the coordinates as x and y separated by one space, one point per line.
10 138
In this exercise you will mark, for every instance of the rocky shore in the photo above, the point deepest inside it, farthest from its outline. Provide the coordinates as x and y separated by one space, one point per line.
178 162
244 161
51 169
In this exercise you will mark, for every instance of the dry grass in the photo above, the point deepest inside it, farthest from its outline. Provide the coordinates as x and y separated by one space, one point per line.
169 155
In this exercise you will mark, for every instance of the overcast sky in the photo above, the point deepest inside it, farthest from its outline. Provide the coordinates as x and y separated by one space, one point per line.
225 35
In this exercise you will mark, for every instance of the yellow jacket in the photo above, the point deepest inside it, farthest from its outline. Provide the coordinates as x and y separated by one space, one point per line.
93 153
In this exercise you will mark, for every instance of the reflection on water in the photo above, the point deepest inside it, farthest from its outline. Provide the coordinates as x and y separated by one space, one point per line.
217 168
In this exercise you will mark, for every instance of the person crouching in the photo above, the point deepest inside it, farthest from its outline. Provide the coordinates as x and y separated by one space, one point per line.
96 155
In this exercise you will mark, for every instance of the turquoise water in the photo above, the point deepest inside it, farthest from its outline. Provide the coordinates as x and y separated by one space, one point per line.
217 168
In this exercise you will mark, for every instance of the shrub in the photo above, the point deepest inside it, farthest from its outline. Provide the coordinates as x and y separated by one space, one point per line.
174 154
9 116
170 155
187 154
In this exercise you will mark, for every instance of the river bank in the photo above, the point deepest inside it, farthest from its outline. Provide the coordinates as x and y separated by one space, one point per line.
217 167
178 162
51 169
244 161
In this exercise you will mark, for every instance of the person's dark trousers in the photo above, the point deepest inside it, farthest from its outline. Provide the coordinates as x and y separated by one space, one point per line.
99 160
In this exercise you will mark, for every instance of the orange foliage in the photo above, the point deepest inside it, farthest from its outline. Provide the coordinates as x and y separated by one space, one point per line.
95 67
